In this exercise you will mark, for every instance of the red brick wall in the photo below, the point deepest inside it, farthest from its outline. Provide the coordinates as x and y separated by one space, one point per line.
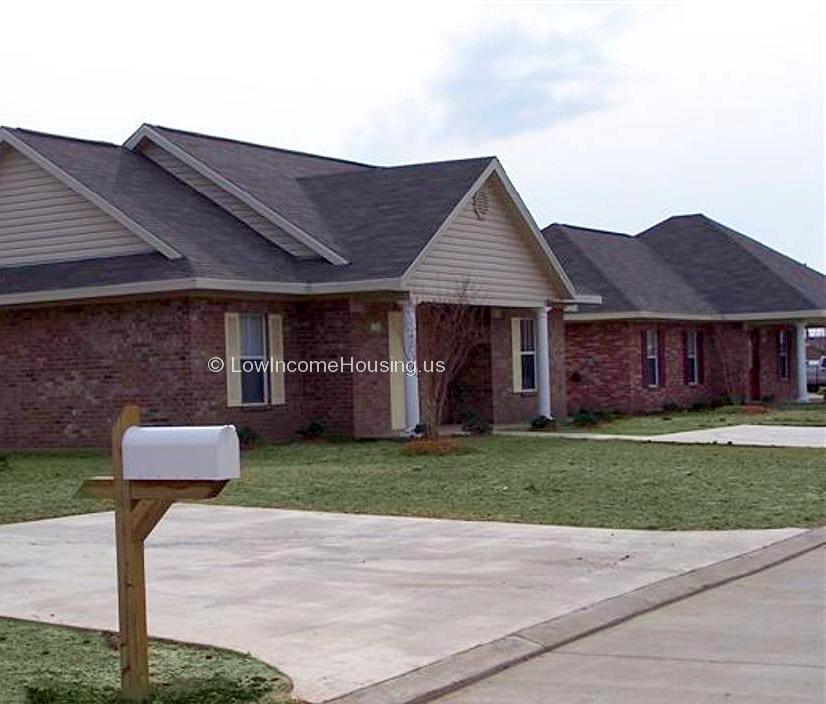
771 385
67 370
559 394
209 390
604 365
369 342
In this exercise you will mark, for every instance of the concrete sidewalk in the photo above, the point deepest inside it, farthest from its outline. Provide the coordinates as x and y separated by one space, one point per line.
342 601
747 435
758 639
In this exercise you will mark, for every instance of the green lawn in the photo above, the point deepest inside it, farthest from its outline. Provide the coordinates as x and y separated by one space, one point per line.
535 480
813 414
42 664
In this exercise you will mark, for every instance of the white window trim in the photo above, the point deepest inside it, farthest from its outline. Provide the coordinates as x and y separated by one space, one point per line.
652 334
693 357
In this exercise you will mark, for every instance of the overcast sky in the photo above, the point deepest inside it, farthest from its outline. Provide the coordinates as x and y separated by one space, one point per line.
610 115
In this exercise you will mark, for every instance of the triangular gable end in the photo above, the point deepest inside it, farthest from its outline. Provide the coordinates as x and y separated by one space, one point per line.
43 220
487 254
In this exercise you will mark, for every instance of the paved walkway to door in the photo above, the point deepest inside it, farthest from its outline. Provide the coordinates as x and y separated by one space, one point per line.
754 435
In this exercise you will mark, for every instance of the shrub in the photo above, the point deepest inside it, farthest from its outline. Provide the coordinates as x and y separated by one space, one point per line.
476 425
314 430
753 409
720 401
540 423
584 418
700 406
670 407
435 447
248 438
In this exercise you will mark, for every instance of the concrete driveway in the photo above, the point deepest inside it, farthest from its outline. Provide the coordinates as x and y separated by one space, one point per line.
341 601
758 639
748 435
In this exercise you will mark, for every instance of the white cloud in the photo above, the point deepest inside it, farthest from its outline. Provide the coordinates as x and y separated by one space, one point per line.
614 115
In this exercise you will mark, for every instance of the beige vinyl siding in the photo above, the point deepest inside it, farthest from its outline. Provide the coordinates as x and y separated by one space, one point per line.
42 220
496 257
227 201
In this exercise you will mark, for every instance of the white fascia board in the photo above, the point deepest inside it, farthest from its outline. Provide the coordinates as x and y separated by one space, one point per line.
84 191
496 167
811 315
146 132
198 284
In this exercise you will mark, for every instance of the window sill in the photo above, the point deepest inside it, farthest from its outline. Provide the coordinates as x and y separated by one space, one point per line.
525 392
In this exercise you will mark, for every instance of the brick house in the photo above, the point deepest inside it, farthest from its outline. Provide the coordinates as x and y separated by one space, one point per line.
691 311
125 268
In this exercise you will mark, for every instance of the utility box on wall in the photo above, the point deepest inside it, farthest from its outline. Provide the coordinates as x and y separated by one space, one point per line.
206 452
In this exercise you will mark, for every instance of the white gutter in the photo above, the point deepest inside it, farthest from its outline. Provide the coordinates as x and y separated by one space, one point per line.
718 317
200 284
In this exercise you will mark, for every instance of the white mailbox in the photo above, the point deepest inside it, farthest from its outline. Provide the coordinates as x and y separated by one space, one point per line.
186 452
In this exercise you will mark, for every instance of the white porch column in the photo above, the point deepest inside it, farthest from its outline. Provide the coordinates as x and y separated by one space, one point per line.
800 352
543 376
411 381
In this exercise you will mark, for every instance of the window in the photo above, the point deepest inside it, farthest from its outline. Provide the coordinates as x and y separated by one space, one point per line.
692 357
253 359
651 358
783 354
523 333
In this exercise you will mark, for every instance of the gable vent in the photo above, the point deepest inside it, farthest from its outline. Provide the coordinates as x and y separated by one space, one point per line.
481 203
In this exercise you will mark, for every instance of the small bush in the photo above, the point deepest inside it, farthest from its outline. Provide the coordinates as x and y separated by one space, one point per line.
584 418
477 425
314 430
700 406
436 447
540 423
753 409
248 438
670 407
720 401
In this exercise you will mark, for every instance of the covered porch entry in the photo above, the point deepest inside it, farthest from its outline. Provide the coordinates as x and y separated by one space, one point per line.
507 369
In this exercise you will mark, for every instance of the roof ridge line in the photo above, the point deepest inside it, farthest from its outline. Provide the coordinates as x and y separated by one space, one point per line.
269 147
722 229
383 169
614 233
584 255
68 138
335 250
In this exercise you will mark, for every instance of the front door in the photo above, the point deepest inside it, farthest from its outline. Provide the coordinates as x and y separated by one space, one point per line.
754 366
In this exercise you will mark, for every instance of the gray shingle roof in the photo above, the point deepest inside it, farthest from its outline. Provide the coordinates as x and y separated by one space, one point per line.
380 217
734 273
686 265
269 174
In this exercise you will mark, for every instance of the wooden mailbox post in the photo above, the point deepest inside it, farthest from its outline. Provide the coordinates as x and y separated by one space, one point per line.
140 503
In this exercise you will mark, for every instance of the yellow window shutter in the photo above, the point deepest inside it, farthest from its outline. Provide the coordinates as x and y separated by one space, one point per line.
232 342
516 356
395 347
276 338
